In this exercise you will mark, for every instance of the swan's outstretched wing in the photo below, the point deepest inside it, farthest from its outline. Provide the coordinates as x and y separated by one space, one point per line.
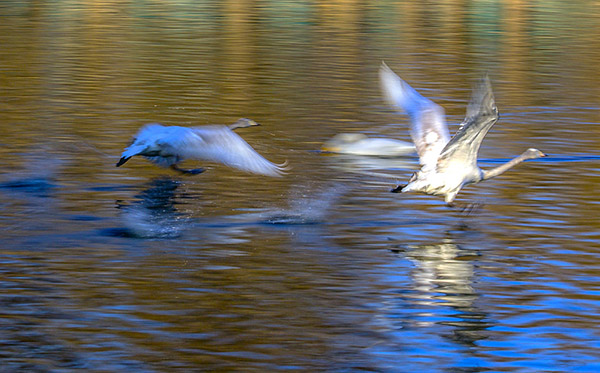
481 116
220 144
168 145
428 126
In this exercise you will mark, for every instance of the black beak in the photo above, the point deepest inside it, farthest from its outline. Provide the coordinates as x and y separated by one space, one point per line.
122 160
398 189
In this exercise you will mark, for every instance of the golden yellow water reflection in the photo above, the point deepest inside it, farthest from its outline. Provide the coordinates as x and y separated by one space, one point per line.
138 268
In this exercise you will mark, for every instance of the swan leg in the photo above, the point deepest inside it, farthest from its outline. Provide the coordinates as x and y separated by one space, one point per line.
470 208
194 171
466 208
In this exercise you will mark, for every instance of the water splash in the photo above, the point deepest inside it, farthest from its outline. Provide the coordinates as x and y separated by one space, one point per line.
305 208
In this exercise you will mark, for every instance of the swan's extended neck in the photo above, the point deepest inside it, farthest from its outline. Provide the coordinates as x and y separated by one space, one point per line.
528 154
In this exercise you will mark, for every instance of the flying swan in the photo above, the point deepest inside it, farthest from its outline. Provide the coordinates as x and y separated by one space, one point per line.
446 164
166 146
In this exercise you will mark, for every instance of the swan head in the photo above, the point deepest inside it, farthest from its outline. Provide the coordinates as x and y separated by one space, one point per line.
337 143
243 123
532 153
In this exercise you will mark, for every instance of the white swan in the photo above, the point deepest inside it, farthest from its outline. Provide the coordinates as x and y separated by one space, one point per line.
360 144
166 146
446 164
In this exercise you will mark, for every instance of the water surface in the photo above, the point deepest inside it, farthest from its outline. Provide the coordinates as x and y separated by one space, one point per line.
139 268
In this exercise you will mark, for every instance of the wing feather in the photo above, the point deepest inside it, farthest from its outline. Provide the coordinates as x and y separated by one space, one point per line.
220 144
428 125
481 116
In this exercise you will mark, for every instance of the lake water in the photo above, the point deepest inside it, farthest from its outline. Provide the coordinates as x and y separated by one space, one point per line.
138 268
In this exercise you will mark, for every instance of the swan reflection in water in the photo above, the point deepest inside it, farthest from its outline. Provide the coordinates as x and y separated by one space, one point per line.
443 276
153 214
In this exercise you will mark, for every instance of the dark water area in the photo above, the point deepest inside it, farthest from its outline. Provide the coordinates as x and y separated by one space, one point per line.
139 268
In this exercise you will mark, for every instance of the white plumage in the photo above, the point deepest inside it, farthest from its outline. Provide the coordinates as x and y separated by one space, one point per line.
166 146
446 164
360 144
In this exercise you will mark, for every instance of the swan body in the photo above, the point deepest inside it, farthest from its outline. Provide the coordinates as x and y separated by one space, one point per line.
166 146
447 165
360 144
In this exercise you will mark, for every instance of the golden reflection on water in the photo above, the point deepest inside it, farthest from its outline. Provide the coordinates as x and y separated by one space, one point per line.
78 80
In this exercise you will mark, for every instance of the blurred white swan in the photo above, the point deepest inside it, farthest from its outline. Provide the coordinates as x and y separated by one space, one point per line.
166 146
446 164
360 144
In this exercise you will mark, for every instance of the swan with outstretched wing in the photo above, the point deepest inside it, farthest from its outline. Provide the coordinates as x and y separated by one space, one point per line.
166 146
446 164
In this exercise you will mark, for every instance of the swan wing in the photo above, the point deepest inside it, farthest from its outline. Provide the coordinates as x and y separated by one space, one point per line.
428 130
220 144
481 116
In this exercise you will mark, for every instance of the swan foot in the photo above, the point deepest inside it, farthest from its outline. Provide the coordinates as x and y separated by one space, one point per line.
398 189
194 171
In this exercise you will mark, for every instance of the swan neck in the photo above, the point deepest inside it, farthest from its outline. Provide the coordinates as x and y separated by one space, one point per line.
488 174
